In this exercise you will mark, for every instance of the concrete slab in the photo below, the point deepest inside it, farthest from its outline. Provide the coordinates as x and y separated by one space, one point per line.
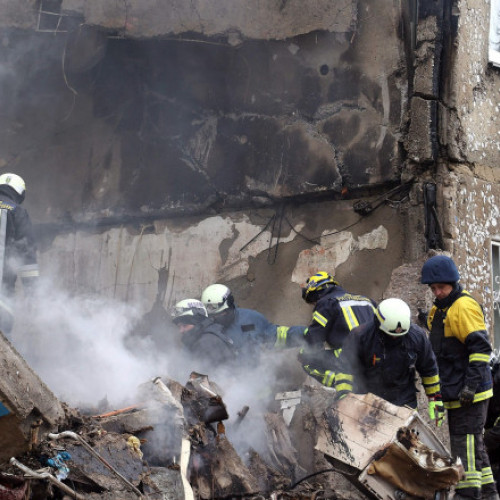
28 408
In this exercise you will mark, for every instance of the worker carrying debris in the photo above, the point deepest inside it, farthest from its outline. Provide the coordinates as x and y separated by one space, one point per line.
383 356
248 329
208 347
460 341
336 312
18 251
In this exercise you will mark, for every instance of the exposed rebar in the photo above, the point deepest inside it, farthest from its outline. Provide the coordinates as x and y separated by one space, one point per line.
76 437
48 476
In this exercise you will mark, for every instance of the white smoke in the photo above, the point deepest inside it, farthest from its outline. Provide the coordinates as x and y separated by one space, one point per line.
76 345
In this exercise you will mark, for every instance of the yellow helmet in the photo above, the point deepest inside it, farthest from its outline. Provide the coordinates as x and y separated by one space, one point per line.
316 283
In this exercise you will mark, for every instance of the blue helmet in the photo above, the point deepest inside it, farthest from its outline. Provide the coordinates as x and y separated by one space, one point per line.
439 269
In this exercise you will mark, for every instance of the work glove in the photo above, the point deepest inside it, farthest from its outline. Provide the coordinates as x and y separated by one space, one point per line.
436 409
466 396
422 317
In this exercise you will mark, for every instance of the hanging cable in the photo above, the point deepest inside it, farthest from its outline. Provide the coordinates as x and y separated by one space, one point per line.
433 232
363 208
272 260
259 233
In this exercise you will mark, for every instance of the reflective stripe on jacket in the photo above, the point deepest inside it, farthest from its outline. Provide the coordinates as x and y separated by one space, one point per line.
336 313
372 361
460 341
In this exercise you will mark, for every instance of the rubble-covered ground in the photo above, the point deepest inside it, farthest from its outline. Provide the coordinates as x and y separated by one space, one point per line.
174 440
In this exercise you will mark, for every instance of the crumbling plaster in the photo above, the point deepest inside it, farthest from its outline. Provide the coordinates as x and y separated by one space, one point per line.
124 123
474 96
258 19
470 222
237 249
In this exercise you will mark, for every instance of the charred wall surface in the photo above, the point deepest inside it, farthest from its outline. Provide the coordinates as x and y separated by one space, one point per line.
176 124
232 117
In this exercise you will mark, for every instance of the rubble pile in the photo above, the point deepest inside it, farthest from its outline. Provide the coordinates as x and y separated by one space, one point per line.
171 443
180 442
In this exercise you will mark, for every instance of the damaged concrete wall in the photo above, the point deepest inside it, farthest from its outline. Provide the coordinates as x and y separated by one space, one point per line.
470 219
249 19
265 256
201 111
151 127
148 18
467 133
471 120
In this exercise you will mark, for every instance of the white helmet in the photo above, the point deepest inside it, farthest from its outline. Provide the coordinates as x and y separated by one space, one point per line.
394 316
217 298
189 311
15 182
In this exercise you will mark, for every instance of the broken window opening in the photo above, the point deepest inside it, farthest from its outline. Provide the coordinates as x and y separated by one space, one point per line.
494 33
50 17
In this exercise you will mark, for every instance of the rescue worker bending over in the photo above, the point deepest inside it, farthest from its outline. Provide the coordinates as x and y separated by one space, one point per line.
202 338
336 312
248 329
18 251
383 356
460 341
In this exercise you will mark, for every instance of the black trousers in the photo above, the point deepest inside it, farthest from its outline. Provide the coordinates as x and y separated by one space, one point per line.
466 426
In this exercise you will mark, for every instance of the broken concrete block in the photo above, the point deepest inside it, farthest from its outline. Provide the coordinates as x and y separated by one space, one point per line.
121 460
164 483
217 471
28 409
288 403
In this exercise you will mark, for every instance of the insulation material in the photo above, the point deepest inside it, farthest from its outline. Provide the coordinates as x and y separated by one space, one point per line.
387 449
416 470
357 426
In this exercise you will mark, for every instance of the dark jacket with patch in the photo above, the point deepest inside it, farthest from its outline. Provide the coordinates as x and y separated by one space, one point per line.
250 330
209 348
372 361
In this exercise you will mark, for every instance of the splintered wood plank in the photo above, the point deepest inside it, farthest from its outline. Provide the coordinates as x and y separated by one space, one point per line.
358 426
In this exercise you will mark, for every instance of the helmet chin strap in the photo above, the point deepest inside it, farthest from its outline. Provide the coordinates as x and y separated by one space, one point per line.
392 339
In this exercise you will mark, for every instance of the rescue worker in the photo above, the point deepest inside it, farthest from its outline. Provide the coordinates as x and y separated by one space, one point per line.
336 312
248 329
208 347
460 341
18 250
492 444
383 356
492 426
